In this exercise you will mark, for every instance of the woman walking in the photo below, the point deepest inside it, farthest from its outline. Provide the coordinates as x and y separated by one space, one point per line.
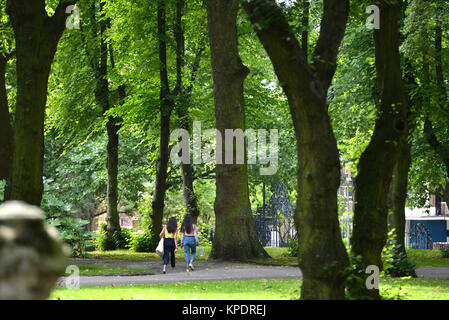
189 240
170 235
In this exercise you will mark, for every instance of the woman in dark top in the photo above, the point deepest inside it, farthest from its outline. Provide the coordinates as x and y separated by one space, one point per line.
170 235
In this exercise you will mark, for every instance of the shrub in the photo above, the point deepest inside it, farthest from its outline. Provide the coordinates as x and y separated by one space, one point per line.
122 239
444 253
395 261
101 241
73 232
204 235
292 249
143 242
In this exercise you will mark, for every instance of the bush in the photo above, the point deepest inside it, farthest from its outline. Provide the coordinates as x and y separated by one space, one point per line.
73 232
444 253
395 261
292 249
143 242
204 235
101 241
122 239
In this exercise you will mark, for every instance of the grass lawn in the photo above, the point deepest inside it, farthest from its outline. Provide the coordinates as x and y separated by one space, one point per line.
281 289
95 270
207 290
427 258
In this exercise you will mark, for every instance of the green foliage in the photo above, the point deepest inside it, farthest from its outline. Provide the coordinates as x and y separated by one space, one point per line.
122 239
355 281
204 235
444 253
395 261
143 242
72 230
101 241
293 247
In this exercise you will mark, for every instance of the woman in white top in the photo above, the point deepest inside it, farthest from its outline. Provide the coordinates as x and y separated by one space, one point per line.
189 240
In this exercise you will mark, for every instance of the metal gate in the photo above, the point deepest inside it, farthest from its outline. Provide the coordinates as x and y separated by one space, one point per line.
420 237
274 222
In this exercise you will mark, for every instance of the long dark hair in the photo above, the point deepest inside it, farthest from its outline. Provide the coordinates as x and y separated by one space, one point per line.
172 225
187 224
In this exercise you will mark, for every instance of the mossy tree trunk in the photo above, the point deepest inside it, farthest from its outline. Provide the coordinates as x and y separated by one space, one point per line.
166 108
399 196
375 167
6 132
37 36
183 94
235 235
322 255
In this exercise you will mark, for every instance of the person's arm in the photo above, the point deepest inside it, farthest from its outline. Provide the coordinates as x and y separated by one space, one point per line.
196 234
182 238
176 240
161 235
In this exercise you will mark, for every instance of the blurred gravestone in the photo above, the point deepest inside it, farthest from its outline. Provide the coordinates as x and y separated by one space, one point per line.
32 255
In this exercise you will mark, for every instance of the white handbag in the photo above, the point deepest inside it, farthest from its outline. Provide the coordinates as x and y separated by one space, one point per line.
160 248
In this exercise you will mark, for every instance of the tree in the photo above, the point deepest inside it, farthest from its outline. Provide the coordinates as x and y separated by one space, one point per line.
166 108
375 167
98 55
322 255
235 235
6 132
36 36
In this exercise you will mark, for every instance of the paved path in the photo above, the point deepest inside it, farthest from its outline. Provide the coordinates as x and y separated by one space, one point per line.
430 272
206 271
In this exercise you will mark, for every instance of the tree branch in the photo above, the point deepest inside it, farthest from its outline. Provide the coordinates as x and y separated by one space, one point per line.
332 30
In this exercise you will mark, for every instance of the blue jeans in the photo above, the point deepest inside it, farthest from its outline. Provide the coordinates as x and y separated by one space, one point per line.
189 248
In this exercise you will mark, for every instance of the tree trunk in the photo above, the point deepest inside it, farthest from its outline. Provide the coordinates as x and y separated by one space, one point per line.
235 235
322 255
165 109
399 196
112 128
440 149
183 110
375 167
36 37
6 133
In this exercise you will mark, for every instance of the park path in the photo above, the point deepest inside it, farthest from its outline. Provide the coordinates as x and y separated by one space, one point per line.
206 271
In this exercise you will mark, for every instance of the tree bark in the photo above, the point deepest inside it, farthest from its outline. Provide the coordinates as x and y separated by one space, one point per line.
166 108
322 255
399 196
235 235
36 37
440 149
183 110
6 132
375 167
